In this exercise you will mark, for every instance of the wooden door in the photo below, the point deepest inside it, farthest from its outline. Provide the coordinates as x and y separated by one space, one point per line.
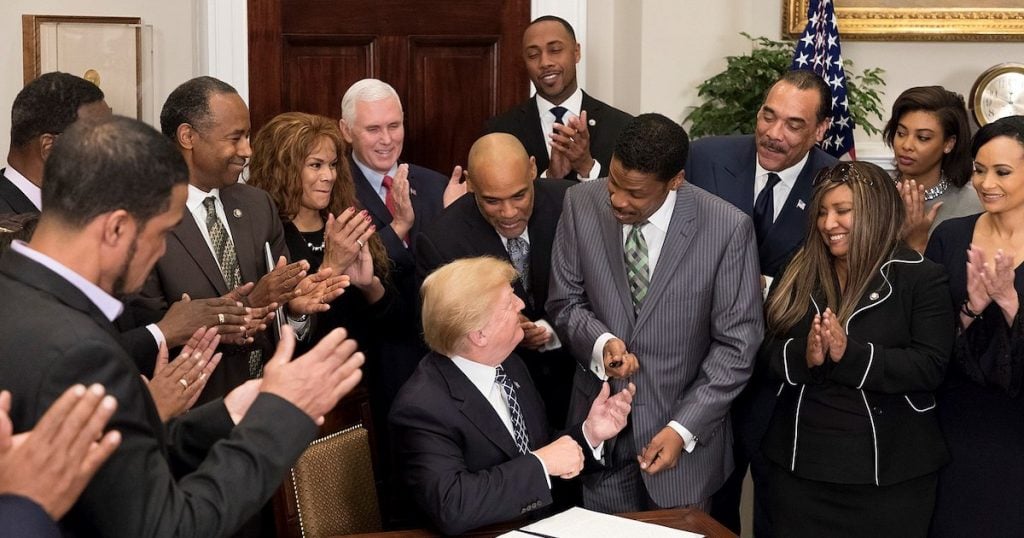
454 63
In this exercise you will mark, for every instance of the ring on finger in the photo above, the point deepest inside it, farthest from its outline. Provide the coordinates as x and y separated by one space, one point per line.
360 243
220 318
183 383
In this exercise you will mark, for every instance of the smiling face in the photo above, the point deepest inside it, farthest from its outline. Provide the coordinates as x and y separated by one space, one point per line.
377 133
220 144
551 55
835 220
920 143
319 172
999 175
787 126
635 196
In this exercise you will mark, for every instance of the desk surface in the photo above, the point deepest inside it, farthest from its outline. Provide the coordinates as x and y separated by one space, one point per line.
687 519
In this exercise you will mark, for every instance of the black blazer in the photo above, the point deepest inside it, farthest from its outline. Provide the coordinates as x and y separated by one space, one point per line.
725 166
458 460
20 516
523 121
899 342
12 200
227 471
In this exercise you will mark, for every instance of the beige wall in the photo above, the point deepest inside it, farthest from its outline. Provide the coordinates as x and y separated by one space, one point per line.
173 43
680 43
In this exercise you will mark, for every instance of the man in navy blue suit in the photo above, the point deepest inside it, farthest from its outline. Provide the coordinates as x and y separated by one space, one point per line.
767 175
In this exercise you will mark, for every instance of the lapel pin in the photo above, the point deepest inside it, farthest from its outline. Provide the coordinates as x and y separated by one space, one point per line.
237 213
801 204
516 383
591 122
873 296
412 191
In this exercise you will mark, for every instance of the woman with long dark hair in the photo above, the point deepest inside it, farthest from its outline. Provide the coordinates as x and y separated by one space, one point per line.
980 406
858 337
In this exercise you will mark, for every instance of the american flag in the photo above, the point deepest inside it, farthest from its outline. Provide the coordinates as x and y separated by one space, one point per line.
818 50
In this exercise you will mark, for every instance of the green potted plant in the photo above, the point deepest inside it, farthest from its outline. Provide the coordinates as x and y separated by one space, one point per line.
731 97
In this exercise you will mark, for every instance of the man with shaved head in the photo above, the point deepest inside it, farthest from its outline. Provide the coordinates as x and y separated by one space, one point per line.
510 216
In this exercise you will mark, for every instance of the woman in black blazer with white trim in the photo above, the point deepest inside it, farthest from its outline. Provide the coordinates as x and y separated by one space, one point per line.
859 335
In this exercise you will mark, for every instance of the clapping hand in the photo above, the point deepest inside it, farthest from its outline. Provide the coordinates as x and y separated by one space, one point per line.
835 337
344 236
278 286
456 187
817 345
176 386
402 215
316 291
918 222
573 141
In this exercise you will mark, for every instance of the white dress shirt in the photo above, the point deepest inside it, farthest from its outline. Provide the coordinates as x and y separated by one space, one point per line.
573 106
29 189
787 178
554 343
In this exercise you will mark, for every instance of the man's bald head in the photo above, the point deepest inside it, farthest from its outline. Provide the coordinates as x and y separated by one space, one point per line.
501 176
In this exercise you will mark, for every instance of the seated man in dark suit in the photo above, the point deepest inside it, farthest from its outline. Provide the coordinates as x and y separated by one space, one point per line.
113 190
510 216
43 471
469 425
767 175
568 132
43 109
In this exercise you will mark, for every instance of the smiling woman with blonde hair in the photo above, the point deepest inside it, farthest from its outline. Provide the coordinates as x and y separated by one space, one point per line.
858 338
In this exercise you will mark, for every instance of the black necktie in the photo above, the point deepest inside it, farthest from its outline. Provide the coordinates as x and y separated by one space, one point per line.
559 112
764 207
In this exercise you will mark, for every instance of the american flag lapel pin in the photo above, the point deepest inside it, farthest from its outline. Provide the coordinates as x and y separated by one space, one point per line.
412 191
801 204
237 213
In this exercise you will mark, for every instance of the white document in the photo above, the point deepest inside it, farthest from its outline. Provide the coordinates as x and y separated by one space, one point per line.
581 522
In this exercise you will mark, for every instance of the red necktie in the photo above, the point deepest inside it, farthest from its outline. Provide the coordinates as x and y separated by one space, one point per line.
389 200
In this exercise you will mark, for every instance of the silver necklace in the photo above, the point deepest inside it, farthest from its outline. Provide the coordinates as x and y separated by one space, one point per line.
939 189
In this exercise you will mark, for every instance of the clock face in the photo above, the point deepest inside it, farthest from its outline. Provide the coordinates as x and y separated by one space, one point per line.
999 92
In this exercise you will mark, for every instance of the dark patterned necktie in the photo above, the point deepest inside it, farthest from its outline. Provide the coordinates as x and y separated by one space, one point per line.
227 259
764 207
519 253
518 423
637 266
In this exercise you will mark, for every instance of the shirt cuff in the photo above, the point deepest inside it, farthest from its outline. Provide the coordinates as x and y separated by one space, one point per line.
554 343
767 286
597 451
300 326
689 440
595 172
158 335
547 477
597 356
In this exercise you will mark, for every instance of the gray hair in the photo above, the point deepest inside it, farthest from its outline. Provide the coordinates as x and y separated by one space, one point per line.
366 90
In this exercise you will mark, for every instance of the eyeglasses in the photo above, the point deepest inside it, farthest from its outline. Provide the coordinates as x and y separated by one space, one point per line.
842 173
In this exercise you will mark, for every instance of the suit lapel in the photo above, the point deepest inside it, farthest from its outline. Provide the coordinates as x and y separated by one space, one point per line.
14 197
789 228
611 234
40 277
475 407
192 241
736 184
240 223
533 134
677 241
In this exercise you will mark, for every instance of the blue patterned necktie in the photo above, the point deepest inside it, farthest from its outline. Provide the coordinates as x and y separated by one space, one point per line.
637 267
518 423
227 260
519 253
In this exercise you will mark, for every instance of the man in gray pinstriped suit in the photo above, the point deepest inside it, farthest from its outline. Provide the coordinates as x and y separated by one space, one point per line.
681 318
